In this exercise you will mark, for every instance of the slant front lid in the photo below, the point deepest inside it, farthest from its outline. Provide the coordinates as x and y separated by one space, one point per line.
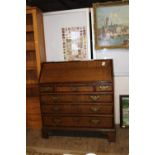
77 71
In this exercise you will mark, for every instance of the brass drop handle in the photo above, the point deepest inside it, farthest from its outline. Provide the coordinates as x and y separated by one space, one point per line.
94 109
95 121
104 87
95 97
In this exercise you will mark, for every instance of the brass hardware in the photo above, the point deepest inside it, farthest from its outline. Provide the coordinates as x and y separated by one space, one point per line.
104 87
57 120
94 109
95 97
95 121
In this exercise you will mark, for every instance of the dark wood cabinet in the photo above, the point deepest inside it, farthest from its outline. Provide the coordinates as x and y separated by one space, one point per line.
78 96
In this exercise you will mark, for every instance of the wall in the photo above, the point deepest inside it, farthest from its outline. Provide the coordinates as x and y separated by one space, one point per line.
121 87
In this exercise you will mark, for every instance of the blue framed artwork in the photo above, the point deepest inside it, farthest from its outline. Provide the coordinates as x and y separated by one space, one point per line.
111 25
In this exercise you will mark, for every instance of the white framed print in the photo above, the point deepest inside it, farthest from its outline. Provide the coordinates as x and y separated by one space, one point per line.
67 35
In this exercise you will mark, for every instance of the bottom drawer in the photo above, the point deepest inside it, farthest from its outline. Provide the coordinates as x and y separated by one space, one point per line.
74 121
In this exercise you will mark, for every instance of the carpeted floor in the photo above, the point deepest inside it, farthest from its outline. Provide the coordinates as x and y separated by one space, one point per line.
77 145
47 151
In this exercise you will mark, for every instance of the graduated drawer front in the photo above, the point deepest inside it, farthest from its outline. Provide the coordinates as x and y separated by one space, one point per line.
49 99
66 121
77 109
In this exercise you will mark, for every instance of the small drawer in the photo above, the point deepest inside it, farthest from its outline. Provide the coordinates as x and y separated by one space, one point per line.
104 88
75 121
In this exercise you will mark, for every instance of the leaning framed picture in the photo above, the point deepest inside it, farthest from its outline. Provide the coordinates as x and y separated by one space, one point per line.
124 111
111 25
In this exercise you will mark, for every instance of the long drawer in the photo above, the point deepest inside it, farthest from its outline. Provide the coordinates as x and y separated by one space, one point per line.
91 122
74 98
77 109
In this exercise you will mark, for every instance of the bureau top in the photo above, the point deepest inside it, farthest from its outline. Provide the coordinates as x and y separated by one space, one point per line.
77 71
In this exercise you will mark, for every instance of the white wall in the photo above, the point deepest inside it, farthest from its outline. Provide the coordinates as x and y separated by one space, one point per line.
121 86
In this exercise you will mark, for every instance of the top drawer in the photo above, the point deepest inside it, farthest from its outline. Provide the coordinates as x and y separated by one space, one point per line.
77 87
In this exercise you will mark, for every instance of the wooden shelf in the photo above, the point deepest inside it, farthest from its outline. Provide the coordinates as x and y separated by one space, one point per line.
30 46
29 28
32 105
31 65
33 121
32 91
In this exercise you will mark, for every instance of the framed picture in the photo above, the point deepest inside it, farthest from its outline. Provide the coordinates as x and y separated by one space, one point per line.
74 43
124 111
111 25
71 31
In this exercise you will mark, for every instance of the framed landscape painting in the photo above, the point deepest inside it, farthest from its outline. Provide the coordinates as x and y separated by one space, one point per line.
124 111
111 25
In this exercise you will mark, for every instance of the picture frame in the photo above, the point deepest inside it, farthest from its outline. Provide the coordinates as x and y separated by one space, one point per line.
124 111
74 43
58 48
111 25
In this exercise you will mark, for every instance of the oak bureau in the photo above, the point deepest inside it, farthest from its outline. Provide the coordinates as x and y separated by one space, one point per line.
77 96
